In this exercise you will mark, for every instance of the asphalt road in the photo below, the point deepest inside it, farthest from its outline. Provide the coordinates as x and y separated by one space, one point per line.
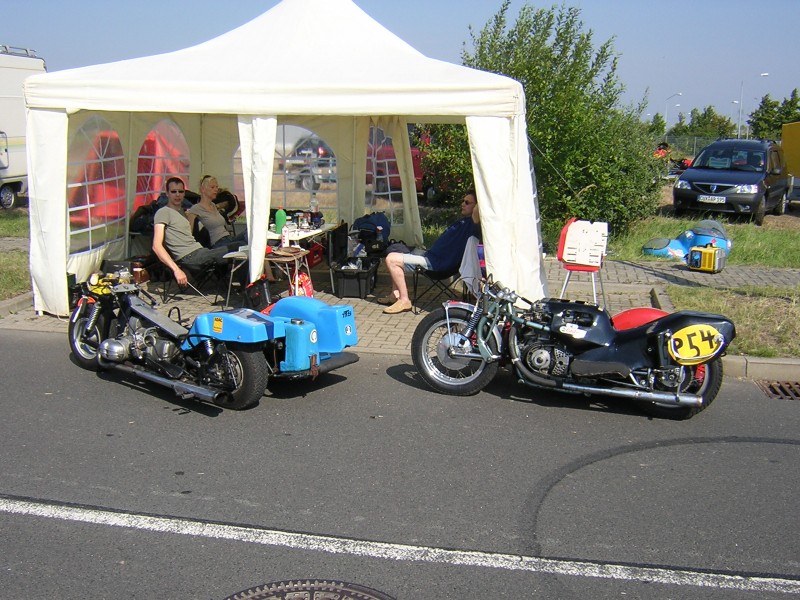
111 488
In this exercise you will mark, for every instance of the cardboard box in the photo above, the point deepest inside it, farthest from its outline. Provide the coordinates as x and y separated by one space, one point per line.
357 283
316 253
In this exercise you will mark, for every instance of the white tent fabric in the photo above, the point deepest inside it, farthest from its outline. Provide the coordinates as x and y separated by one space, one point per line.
235 90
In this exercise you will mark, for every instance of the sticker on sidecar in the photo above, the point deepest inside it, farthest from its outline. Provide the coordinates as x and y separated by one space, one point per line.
313 336
695 343
217 326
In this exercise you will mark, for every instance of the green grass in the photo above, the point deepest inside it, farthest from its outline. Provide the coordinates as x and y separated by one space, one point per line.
767 319
14 274
771 245
14 223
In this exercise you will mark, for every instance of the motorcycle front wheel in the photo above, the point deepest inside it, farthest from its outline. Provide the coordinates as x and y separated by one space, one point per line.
84 349
702 380
242 373
447 374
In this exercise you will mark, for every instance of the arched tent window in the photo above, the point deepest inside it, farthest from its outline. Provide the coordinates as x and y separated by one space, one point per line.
95 186
164 153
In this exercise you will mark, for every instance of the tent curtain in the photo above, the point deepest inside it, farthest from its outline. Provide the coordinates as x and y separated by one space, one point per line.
411 228
47 192
257 137
504 187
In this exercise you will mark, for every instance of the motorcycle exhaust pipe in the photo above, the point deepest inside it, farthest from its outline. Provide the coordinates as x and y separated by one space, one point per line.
630 394
200 392
642 395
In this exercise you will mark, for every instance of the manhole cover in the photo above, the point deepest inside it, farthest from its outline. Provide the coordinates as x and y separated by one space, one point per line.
310 590
781 390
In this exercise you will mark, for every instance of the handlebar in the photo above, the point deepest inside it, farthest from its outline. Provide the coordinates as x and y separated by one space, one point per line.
495 289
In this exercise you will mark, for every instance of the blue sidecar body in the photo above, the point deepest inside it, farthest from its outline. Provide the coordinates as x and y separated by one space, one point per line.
705 233
303 335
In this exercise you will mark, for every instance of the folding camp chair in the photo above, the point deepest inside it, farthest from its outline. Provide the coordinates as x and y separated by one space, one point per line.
201 274
337 250
440 281
581 248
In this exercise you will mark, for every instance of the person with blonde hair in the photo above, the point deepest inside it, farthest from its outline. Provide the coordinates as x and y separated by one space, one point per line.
210 216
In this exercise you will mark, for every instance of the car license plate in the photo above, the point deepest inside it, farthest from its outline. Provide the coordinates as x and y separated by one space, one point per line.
711 199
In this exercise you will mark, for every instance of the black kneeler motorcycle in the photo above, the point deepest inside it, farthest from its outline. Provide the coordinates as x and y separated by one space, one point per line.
670 364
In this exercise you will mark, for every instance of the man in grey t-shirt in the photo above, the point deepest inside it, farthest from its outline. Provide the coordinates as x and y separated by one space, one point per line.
173 242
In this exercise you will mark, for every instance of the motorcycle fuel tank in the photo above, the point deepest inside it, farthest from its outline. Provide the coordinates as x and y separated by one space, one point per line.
578 324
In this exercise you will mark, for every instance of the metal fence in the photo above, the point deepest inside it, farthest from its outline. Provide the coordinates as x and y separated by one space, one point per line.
686 146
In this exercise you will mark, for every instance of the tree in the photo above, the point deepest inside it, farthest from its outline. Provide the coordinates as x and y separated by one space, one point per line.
657 127
789 111
706 124
593 159
765 121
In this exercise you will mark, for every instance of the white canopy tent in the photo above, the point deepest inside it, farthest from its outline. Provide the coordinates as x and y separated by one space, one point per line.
234 90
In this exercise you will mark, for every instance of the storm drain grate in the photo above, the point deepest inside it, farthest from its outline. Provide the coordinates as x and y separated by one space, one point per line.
781 390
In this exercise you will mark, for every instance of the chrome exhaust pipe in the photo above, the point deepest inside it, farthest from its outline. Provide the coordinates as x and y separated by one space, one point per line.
677 399
181 388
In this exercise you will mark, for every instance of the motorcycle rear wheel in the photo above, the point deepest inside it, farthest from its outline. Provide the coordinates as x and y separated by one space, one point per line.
704 380
454 376
243 373
85 351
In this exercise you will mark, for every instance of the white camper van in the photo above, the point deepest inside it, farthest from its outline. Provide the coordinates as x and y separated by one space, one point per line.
15 65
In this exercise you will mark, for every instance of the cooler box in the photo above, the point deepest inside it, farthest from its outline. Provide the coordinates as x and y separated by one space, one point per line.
709 259
356 283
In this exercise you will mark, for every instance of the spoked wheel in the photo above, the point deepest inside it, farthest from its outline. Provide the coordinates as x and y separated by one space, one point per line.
84 348
441 369
703 380
242 373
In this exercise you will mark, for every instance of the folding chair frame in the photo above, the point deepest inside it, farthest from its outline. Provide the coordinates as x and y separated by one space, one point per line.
436 280
201 274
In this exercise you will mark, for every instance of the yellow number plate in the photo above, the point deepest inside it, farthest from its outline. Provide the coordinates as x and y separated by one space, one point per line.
695 344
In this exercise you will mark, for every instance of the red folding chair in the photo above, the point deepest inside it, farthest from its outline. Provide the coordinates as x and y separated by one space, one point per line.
581 248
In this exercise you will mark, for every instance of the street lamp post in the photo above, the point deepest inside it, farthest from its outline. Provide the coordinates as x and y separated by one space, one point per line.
666 112
741 100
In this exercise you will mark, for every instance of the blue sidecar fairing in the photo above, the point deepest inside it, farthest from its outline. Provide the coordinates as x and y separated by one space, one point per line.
705 233
315 334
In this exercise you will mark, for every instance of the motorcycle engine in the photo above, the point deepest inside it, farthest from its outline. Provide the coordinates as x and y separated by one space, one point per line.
138 343
544 356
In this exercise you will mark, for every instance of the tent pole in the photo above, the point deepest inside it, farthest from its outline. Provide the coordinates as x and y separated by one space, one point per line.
130 183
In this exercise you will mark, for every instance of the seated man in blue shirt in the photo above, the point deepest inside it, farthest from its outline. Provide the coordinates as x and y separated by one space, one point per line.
445 255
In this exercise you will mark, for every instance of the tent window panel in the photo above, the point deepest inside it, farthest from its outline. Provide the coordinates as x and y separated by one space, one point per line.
163 154
384 188
304 169
96 186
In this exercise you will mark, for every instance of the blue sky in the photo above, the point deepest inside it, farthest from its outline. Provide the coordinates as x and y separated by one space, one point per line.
711 51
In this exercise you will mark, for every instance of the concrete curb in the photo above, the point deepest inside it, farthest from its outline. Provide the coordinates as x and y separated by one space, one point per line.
16 304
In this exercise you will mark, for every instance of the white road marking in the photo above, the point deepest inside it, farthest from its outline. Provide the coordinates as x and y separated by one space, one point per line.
400 552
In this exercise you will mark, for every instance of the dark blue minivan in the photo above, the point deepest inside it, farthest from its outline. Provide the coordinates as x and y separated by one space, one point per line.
743 177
